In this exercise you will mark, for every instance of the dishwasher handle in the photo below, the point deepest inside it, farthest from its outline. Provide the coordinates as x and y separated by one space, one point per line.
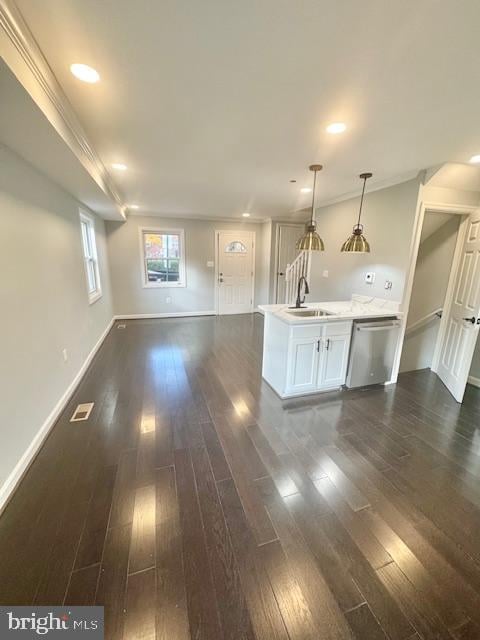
383 327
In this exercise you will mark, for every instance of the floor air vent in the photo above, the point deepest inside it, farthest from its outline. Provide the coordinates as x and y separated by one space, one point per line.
82 412
121 326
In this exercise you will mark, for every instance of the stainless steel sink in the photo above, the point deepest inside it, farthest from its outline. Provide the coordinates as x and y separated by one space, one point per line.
309 313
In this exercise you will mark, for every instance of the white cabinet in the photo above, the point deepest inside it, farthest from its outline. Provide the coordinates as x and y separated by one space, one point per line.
335 360
316 358
304 356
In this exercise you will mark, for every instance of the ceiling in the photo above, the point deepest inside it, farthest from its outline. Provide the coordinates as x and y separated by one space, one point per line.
216 105
457 176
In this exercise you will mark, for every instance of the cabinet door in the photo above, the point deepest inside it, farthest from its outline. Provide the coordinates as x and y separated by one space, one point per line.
333 368
303 365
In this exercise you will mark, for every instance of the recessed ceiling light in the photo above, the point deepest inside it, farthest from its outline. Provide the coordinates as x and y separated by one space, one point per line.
85 73
119 166
132 206
475 159
336 127
305 190
246 215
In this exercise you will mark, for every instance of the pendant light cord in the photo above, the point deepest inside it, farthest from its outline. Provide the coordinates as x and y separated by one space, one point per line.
361 202
313 195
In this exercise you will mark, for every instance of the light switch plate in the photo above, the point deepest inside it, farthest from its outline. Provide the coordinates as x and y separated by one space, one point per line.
325 273
370 277
210 264
388 284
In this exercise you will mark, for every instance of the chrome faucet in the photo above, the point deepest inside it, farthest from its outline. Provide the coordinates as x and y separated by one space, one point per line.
299 302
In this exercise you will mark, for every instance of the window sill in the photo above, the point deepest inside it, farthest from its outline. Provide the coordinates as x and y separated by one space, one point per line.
164 285
94 297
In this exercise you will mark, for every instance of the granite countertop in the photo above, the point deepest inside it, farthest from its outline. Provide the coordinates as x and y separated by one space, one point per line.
356 308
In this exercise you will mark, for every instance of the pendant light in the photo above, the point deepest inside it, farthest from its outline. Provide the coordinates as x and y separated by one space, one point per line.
311 241
357 243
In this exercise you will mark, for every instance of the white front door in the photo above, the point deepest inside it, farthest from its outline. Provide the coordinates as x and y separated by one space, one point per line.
461 324
288 234
235 271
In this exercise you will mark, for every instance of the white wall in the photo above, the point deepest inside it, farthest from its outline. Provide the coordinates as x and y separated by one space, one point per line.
475 368
388 220
430 283
130 298
43 302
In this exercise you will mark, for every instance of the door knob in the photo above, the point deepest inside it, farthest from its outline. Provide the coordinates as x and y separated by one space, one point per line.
220 279
472 319
280 273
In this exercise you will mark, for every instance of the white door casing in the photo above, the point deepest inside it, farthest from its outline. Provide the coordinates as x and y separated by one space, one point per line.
463 313
235 271
287 237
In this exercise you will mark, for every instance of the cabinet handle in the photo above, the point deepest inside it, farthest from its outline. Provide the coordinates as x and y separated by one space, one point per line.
327 346
318 346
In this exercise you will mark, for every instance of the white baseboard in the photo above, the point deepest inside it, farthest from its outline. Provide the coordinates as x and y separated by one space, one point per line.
175 314
474 381
12 481
257 310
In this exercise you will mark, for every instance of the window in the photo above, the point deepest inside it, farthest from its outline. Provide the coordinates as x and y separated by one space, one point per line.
163 257
90 258
235 247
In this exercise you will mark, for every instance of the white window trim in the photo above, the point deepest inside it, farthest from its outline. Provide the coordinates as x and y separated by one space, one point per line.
90 221
182 283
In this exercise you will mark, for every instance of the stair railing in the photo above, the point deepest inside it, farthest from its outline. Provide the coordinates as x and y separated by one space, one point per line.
299 267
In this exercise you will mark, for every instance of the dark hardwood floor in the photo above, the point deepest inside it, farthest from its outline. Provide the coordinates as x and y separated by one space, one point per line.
194 503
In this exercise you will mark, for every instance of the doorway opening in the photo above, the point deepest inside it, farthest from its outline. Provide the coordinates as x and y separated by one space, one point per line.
432 273
444 305
286 252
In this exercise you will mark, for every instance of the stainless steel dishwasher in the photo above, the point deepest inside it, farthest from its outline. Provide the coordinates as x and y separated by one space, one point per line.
372 351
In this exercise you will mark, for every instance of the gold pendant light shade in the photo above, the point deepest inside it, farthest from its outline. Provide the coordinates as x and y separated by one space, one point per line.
357 243
311 241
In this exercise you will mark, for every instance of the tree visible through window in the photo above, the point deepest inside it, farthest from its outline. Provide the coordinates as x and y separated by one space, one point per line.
162 257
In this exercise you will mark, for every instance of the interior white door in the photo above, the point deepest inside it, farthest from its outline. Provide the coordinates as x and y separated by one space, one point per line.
462 322
288 234
235 272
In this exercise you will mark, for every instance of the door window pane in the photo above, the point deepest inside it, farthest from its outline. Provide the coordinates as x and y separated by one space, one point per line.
235 247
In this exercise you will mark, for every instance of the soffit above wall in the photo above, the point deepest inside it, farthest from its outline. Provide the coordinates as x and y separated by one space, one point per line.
38 122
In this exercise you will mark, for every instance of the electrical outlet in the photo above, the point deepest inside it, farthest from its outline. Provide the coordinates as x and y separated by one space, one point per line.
210 264
325 273
65 355
370 277
388 284
168 300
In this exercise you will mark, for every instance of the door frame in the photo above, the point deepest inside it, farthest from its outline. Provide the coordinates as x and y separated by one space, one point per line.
253 238
422 209
277 251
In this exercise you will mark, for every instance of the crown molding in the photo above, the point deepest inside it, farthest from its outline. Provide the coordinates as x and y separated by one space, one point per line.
377 186
24 57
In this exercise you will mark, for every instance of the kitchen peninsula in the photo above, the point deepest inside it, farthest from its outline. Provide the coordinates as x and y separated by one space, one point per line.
307 350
